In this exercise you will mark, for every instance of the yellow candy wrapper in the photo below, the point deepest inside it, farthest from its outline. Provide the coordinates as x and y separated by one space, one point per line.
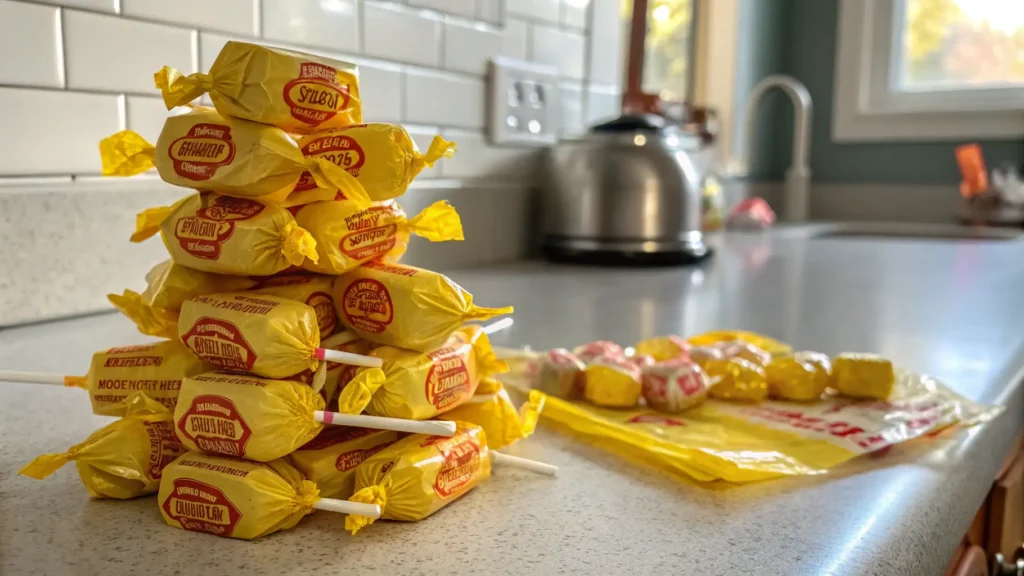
382 157
330 459
154 369
612 382
123 459
209 152
347 237
340 374
312 290
674 385
403 306
663 348
226 235
419 475
295 91
766 343
253 418
862 376
736 379
421 386
798 377
492 409
234 498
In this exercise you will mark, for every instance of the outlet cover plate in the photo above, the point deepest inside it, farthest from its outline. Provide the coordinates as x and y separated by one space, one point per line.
524 103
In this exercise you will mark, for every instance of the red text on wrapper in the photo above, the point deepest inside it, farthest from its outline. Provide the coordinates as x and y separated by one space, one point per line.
220 343
349 460
199 507
316 95
342 151
461 464
164 447
367 306
372 233
203 235
197 155
448 382
214 425
322 304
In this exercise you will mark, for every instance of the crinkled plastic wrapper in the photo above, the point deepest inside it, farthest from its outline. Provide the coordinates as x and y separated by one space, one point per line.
298 92
492 409
746 442
154 369
347 237
419 475
403 306
123 459
330 459
234 498
313 290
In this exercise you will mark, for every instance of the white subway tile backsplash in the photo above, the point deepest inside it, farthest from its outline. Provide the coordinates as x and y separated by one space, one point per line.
572 108
423 136
380 89
547 10
475 158
606 44
31 118
468 47
119 55
603 103
146 116
30 45
492 11
465 8
516 40
559 48
210 44
332 25
444 99
394 32
574 13
101 5
236 16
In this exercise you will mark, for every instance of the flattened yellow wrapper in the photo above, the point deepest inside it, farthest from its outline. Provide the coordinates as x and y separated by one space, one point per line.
123 459
497 415
246 417
298 92
330 459
155 369
404 306
421 386
234 498
419 475
206 151
267 335
347 236
226 235
382 157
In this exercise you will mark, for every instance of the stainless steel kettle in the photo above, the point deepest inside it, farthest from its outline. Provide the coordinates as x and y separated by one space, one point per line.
627 192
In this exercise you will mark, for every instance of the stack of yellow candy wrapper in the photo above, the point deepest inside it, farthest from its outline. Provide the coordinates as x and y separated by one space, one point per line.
304 367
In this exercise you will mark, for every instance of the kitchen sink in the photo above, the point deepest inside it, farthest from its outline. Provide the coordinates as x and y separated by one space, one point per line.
912 231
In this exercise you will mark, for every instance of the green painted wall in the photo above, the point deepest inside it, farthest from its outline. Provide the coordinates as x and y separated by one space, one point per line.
809 36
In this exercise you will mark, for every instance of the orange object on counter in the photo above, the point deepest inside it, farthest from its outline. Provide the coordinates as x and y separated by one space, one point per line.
973 172
295 91
227 235
123 459
209 152
403 306
330 459
419 475
347 237
736 379
382 157
154 369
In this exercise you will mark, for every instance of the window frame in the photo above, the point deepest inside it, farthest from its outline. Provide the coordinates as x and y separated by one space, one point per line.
866 107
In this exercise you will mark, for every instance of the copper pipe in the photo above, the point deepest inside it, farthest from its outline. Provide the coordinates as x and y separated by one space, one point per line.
633 99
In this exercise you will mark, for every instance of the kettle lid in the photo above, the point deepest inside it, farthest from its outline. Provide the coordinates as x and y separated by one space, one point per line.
632 123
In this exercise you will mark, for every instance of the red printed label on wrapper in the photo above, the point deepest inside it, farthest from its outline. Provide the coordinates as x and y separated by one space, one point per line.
655 419
203 235
448 382
220 343
323 305
132 361
164 447
316 96
353 458
197 155
215 426
367 306
342 151
460 466
199 507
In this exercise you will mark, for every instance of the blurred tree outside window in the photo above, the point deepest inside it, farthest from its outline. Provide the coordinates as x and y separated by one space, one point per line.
667 46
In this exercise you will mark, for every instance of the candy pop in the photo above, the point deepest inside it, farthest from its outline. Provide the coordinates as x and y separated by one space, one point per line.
262 419
492 409
266 335
736 379
612 382
242 499
404 306
114 374
298 92
663 348
330 459
863 376
227 235
598 349
123 459
382 157
207 151
674 385
802 376
419 475
347 237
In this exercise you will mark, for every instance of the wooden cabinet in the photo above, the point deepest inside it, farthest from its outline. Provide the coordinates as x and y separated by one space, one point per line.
1006 510
973 562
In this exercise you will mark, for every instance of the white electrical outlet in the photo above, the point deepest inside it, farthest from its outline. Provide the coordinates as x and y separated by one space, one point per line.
525 104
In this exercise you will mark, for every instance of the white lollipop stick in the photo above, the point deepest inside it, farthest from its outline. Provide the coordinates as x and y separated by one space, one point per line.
346 507
499 459
497 326
430 427
347 358
319 377
31 377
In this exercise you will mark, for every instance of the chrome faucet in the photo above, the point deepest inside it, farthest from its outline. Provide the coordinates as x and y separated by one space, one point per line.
798 177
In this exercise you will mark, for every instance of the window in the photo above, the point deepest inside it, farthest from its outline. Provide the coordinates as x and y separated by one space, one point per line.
667 49
929 70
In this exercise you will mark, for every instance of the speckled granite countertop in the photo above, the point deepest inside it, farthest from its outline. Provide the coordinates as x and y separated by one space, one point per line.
950 309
